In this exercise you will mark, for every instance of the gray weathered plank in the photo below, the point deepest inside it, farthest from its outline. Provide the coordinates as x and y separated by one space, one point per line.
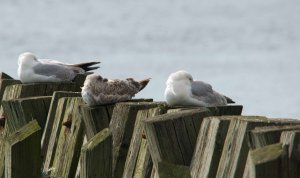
292 139
269 161
135 143
144 163
235 150
96 156
96 118
122 126
169 170
172 137
263 136
37 89
209 147
23 152
69 141
19 112
53 118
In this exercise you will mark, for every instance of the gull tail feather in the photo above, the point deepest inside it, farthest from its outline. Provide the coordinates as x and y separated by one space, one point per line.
87 66
144 83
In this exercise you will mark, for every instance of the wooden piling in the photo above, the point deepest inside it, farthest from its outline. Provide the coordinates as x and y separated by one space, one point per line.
209 147
263 136
144 164
292 140
235 149
168 170
96 118
96 156
66 140
136 150
23 150
37 89
269 161
69 141
172 137
18 112
54 119
122 126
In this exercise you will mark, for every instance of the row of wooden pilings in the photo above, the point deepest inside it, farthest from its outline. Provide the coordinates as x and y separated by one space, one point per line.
50 132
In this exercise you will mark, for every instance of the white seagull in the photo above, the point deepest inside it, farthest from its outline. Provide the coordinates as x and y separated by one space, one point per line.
98 90
181 90
33 70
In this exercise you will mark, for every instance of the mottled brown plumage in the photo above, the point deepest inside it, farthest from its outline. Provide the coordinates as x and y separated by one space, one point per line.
98 90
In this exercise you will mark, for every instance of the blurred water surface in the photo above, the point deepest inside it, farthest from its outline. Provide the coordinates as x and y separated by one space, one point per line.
248 49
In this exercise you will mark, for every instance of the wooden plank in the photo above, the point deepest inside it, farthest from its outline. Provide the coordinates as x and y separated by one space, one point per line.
209 147
168 170
96 156
96 118
292 140
268 161
63 104
37 89
54 117
122 126
2 152
263 136
144 163
135 143
4 83
172 137
67 151
23 152
235 150
216 110
19 112
69 141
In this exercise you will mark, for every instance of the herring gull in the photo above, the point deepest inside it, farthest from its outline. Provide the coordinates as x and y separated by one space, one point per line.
98 90
32 70
182 90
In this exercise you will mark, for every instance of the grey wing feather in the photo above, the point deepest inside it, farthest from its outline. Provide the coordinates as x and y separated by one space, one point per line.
52 70
200 88
204 92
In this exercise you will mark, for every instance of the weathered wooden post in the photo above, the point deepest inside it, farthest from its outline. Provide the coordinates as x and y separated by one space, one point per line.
209 146
19 112
122 126
96 118
235 150
5 80
96 156
23 152
62 159
168 170
172 137
54 120
292 140
137 151
268 161
263 136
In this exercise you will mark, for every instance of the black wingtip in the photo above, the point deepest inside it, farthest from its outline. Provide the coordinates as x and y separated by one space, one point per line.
88 66
229 100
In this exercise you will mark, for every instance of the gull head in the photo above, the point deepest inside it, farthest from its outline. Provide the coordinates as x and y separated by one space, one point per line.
94 79
27 59
180 76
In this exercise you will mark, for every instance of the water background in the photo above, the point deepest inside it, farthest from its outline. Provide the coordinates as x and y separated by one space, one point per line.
248 50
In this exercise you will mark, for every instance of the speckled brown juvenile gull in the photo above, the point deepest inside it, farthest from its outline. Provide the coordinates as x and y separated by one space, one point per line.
98 90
